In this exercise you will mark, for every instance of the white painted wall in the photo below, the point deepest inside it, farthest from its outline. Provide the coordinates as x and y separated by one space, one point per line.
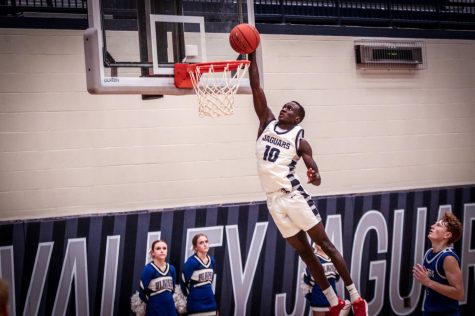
65 152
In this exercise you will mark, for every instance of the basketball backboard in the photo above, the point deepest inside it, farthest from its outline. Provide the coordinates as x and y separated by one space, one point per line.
131 47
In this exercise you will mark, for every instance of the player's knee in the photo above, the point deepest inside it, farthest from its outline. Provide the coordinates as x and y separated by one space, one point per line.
305 254
327 246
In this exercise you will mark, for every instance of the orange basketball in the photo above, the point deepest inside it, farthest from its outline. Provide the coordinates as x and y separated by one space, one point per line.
244 38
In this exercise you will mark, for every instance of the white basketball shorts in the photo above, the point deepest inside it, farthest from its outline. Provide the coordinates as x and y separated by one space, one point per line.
291 212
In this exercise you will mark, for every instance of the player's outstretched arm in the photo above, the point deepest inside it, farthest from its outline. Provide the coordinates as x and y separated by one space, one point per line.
454 289
312 170
263 112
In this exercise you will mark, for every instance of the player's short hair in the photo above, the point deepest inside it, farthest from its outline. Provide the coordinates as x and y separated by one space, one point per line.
301 111
453 225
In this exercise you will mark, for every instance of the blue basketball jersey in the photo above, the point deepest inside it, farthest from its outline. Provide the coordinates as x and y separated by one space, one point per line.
196 284
316 296
435 302
157 288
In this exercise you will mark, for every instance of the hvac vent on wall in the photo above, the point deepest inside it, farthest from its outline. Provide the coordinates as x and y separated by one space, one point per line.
390 55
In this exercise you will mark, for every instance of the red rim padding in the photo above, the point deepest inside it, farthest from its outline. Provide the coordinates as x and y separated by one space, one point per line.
182 71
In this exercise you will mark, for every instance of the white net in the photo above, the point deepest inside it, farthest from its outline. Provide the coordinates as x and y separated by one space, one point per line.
216 86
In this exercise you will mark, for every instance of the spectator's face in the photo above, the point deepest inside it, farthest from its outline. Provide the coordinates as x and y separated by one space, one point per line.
160 251
202 245
438 231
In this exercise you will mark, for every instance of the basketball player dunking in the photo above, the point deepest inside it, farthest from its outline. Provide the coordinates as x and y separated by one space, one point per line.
280 144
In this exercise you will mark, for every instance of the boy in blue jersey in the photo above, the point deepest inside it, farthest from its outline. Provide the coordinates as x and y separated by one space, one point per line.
440 272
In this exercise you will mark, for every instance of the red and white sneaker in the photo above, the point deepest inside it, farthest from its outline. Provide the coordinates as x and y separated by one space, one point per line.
346 309
335 310
360 307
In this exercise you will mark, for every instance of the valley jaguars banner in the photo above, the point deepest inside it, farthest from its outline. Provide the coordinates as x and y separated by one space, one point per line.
90 265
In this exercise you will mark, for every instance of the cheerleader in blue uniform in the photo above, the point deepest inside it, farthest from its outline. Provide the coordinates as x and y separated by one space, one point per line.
313 293
197 279
440 272
157 283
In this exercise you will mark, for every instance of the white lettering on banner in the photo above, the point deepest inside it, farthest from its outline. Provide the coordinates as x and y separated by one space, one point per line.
334 231
74 270
468 254
242 278
371 220
418 242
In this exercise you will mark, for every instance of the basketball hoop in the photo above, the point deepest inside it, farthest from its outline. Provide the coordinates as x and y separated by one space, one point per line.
215 84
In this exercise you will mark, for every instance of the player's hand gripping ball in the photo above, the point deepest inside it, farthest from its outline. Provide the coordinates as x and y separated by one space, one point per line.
244 38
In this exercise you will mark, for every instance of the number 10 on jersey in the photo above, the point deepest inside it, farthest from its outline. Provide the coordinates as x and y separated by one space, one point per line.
271 153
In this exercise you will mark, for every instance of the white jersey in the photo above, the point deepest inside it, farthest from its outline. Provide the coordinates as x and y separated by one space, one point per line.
277 157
